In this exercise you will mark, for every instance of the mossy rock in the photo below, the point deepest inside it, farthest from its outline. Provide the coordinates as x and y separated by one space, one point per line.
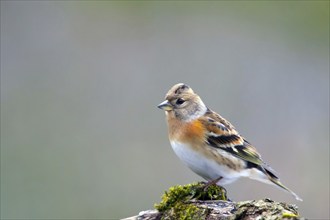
178 201
194 201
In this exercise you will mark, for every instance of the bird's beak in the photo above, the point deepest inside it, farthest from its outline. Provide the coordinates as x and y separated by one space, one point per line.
166 105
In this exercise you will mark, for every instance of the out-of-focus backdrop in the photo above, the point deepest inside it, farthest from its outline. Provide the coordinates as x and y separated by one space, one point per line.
81 136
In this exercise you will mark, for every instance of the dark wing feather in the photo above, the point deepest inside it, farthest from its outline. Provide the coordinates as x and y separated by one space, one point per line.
240 149
221 134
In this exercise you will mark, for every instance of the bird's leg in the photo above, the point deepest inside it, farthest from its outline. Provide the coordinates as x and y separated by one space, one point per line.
212 182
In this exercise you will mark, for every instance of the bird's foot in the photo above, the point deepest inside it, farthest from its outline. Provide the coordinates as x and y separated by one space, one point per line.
212 182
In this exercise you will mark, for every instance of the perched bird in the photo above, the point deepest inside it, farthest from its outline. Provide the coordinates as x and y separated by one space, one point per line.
208 144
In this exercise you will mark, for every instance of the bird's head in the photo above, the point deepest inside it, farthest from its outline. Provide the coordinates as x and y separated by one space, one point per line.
183 103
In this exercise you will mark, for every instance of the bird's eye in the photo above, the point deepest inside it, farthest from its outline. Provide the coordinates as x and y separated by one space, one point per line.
179 101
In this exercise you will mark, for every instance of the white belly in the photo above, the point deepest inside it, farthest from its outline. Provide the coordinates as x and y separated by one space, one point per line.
205 167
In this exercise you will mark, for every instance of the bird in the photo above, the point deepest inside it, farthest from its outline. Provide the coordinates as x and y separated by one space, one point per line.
209 144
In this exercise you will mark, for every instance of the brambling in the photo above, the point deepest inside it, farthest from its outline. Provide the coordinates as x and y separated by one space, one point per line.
209 145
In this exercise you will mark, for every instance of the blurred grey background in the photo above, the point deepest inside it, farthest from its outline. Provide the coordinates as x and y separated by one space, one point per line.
81 136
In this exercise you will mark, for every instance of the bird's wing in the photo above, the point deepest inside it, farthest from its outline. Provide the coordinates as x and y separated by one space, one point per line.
221 134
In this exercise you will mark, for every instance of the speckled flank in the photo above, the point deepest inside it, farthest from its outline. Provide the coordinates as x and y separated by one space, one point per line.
209 164
222 157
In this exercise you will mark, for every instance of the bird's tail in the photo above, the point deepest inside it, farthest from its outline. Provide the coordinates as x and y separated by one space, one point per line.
274 179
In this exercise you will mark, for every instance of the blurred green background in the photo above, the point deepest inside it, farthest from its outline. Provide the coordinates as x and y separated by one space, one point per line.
81 136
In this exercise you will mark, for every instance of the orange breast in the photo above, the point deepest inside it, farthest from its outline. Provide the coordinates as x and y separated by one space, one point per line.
192 132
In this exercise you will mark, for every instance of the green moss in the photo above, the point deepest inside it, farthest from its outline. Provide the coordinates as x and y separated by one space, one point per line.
175 202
